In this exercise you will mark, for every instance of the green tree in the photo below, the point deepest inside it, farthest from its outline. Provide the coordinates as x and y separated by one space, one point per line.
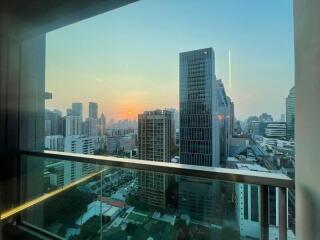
66 207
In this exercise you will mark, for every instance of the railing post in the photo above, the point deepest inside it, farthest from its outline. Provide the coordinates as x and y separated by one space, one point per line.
101 180
264 212
282 213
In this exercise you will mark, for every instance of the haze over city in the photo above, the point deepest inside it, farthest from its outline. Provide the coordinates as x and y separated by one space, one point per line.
127 60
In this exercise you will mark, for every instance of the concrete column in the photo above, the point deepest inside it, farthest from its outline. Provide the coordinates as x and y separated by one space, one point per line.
307 74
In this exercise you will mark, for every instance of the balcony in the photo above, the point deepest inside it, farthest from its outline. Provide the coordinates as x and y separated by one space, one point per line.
102 197
38 202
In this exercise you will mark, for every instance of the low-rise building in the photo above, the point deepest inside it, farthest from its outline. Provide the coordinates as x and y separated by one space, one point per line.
54 143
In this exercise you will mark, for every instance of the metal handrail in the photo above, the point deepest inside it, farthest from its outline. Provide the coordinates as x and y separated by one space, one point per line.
211 173
263 179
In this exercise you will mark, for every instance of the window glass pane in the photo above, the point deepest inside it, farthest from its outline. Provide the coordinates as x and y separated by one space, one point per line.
254 204
203 83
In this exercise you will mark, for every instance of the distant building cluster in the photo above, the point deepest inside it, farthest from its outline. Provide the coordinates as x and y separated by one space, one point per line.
204 132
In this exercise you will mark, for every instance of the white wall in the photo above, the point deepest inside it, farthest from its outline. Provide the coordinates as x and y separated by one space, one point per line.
307 73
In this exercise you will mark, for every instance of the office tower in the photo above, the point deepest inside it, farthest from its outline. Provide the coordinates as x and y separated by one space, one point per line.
268 129
154 136
79 144
175 115
203 111
174 123
76 170
93 127
254 128
102 128
275 130
53 123
93 110
54 142
77 109
199 199
248 204
199 136
47 127
232 118
223 119
73 125
291 112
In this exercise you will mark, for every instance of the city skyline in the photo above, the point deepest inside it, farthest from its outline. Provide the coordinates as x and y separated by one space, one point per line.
103 66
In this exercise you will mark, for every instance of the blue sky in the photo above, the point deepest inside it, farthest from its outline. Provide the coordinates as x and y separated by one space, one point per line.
128 59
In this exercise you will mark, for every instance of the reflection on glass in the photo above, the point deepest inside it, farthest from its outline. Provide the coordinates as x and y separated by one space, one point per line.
137 98
115 203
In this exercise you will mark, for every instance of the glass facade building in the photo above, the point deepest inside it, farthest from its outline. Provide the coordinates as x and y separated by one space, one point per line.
290 112
199 141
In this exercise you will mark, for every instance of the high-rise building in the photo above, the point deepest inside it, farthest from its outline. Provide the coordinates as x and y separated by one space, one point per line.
93 110
199 134
154 144
102 128
155 135
174 123
73 125
248 204
53 123
232 118
291 112
54 142
204 131
76 170
175 115
275 130
77 109
224 121
93 127
79 144
199 199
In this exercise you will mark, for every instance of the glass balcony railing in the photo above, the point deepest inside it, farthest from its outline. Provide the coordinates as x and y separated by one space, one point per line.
74 196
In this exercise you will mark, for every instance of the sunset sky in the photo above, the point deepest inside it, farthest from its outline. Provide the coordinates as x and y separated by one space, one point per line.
127 60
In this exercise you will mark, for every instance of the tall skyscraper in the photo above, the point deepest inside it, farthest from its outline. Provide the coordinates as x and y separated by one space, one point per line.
174 124
73 125
102 128
93 110
232 118
93 127
291 112
54 143
199 138
204 131
224 121
77 109
53 123
155 135
76 170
